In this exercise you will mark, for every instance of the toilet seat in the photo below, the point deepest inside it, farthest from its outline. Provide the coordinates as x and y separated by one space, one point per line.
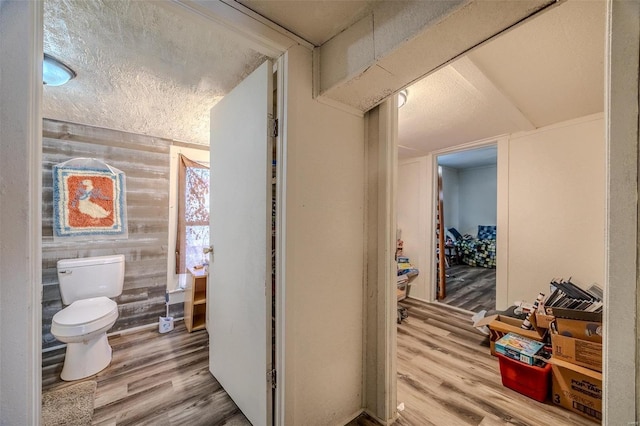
84 316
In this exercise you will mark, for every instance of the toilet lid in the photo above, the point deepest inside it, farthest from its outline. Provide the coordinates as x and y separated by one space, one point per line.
85 310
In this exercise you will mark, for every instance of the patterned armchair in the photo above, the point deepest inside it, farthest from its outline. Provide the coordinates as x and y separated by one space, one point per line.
480 251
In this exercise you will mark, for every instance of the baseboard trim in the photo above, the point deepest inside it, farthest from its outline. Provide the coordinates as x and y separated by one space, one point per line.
352 417
435 302
379 420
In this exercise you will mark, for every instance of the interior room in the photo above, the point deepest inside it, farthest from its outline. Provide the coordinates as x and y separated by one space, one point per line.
476 139
341 170
469 189
137 112
134 105
499 95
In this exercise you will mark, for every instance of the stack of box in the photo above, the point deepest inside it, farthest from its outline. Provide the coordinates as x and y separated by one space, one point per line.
574 318
406 271
577 361
517 350
406 268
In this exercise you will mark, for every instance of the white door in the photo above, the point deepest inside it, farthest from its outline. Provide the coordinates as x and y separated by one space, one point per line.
240 232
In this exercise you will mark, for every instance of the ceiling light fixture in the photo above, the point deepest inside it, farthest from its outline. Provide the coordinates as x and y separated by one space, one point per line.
54 72
402 97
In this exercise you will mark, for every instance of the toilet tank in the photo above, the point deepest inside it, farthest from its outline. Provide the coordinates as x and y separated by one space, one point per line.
90 277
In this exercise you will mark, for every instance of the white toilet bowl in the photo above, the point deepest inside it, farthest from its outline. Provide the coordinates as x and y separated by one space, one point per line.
83 327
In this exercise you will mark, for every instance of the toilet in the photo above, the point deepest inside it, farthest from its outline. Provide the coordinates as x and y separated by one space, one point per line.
86 285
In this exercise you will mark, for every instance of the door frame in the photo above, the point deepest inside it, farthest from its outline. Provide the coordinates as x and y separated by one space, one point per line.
622 237
21 220
280 114
379 397
260 35
622 98
502 212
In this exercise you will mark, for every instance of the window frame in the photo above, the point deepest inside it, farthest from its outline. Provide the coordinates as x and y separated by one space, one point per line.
199 153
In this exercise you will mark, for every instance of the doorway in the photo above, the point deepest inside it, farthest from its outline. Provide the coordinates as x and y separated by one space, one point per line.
143 297
467 192
520 178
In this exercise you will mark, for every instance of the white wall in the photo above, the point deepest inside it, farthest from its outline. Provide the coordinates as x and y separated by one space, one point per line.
450 197
323 278
20 211
477 198
551 195
415 218
556 207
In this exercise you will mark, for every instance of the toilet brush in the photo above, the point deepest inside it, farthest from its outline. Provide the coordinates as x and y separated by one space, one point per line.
165 323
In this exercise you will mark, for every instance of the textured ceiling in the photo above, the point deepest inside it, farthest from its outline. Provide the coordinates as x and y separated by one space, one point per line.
445 110
141 67
146 69
548 70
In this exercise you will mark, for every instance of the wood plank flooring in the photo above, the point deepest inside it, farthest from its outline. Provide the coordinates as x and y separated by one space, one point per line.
446 376
471 287
155 379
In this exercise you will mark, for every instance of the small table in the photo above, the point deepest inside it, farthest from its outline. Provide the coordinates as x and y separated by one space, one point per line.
195 300
451 254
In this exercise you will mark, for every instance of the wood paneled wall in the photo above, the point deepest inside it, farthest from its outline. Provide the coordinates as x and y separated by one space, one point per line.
145 162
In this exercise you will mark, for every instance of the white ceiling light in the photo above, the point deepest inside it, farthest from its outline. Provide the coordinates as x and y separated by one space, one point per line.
402 97
54 72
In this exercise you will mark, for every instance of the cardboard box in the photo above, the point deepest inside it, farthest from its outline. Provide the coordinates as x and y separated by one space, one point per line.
577 389
576 314
543 320
584 330
499 325
518 348
577 351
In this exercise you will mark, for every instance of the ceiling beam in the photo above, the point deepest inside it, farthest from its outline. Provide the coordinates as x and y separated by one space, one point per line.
398 43
488 93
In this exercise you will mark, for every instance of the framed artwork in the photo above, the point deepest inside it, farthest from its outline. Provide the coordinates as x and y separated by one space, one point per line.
89 200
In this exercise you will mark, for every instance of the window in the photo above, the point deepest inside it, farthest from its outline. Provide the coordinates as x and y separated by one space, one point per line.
193 214
199 154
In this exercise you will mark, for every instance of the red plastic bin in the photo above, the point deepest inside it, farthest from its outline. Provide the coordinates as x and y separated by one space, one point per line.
529 380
